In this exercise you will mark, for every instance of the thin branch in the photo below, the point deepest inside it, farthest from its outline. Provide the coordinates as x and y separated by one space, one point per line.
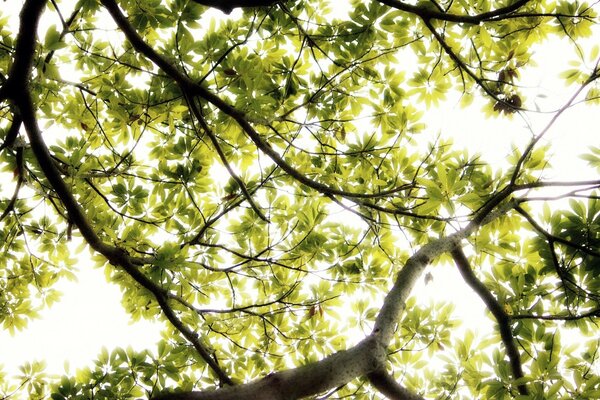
553 238
231 206
570 317
12 132
20 180
66 29
554 118
595 183
463 66
430 13
399 211
497 311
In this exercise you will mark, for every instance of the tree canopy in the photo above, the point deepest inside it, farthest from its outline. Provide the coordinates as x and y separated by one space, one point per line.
256 175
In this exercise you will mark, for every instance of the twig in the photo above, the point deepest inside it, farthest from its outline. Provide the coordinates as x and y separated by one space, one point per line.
554 118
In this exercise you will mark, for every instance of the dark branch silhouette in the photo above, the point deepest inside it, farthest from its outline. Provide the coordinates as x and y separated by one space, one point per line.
228 6
497 311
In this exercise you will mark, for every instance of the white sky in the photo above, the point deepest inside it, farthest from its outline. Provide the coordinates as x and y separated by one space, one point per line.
90 316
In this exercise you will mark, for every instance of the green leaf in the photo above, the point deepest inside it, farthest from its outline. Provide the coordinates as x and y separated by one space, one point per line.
53 40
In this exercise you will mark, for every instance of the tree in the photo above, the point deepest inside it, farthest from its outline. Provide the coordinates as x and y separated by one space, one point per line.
258 182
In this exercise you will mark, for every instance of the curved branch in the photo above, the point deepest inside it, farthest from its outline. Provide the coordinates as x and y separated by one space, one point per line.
414 267
310 379
21 98
389 387
191 87
553 238
437 14
20 180
497 311
228 6
13 132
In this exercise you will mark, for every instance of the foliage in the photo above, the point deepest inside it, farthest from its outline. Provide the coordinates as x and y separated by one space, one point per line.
263 183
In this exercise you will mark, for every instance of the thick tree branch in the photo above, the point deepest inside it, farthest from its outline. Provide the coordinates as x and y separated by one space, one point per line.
20 95
20 70
497 311
304 381
389 387
429 13
395 301
228 6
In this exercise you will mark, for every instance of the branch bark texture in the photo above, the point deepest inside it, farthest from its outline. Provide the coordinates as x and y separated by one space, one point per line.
333 371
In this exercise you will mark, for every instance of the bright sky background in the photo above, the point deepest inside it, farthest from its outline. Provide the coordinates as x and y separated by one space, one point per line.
90 316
